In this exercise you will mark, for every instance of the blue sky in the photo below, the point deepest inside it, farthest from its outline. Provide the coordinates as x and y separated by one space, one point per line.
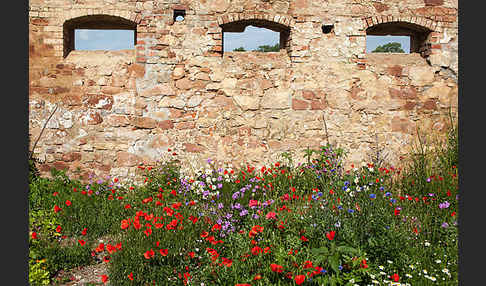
85 39
374 41
250 39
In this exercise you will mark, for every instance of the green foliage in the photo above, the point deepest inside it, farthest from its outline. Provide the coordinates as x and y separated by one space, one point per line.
38 275
240 49
33 170
384 224
393 47
268 48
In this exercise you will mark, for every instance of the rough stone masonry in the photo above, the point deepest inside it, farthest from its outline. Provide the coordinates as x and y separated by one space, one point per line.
177 88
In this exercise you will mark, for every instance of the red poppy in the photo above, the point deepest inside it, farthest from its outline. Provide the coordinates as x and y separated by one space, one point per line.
125 224
34 235
453 213
68 203
245 284
395 277
216 227
100 248
164 252
58 228
191 254
82 242
256 250
149 254
106 259
330 235
226 262
85 230
304 239
147 200
267 250
204 234
130 276
57 209
110 248
257 277
363 264
148 231
104 278
299 279
307 264
55 193
396 212
276 268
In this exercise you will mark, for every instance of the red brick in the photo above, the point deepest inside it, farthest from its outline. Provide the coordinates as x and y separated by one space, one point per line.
71 156
166 124
318 104
433 2
395 70
298 104
193 148
308 94
185 125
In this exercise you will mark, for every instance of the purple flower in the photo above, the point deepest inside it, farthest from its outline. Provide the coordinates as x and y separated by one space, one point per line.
243 212
235 195
220 205
444 205
220 186
445 225
206 193
237 206
255 216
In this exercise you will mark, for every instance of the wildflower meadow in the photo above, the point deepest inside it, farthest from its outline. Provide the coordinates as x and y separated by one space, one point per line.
317 222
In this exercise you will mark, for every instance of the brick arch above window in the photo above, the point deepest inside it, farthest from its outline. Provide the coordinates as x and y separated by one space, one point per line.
285 20
371 21
76 13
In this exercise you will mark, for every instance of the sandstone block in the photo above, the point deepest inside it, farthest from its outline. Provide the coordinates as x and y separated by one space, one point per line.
247 102
276 99
143 122
125 159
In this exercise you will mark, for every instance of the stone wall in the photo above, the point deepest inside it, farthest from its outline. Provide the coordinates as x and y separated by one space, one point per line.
178 90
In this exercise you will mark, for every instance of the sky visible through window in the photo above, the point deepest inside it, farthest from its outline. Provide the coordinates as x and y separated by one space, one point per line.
85 39
250 39
374 41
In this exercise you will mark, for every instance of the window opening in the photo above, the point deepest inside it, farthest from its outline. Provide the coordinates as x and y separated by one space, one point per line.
411 37
179 15
326 29
255 35
99 32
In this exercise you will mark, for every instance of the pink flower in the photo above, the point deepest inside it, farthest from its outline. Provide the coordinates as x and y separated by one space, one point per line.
271 215
253 203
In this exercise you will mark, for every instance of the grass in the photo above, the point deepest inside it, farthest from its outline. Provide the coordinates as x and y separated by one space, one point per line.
312 223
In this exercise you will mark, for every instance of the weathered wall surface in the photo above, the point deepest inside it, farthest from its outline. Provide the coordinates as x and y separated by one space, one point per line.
176 89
